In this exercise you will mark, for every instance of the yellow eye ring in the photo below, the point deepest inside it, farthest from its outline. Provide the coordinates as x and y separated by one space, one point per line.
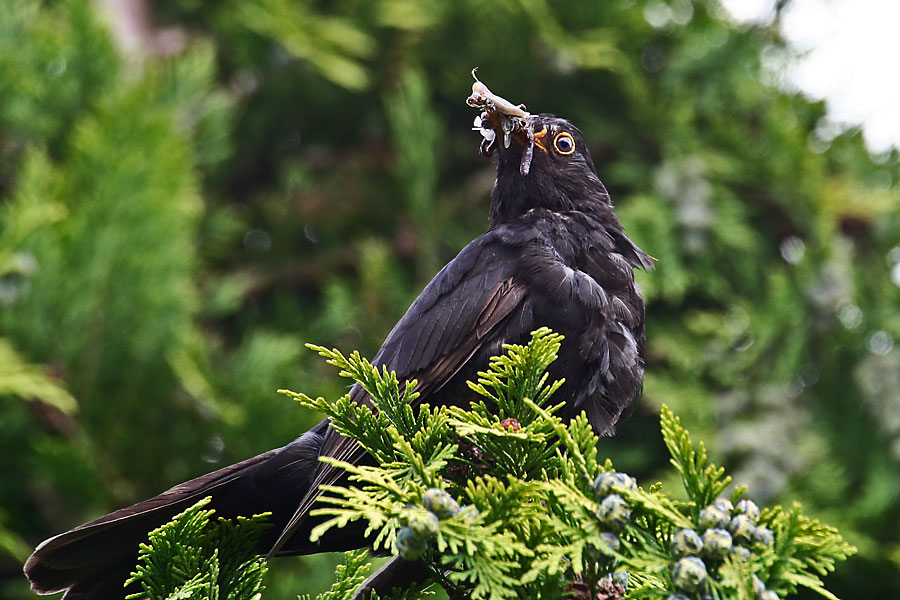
564 143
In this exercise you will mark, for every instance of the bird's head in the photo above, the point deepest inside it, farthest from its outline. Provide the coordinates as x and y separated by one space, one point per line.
543 161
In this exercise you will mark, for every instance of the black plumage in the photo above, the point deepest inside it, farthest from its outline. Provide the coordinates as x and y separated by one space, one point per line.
555 255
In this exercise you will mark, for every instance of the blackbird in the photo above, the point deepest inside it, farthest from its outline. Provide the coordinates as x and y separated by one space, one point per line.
555 255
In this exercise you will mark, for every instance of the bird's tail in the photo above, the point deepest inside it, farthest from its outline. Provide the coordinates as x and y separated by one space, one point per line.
92 561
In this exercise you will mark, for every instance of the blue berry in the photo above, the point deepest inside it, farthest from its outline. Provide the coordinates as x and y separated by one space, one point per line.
606 482
741 528
749 508
689 573
686 541
723 504
409 545
763 536
614 512
422 523
716 542
440 503
713 516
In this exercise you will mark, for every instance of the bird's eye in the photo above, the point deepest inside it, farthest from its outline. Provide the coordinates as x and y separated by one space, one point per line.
564 143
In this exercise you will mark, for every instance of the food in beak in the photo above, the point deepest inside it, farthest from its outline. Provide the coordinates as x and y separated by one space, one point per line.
500 116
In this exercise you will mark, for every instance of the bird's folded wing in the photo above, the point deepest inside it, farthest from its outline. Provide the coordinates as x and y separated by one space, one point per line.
450 321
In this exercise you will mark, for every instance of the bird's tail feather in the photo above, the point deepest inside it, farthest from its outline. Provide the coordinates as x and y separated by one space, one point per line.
93 560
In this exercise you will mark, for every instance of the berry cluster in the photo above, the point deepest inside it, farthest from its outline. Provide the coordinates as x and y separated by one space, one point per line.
726 530
420 524
613 510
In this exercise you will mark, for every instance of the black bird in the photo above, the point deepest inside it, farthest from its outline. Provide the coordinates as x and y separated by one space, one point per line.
555 254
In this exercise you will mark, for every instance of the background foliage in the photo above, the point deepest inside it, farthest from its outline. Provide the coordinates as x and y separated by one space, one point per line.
184 206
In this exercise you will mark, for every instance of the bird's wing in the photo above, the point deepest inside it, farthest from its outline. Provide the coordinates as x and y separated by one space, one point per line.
453 318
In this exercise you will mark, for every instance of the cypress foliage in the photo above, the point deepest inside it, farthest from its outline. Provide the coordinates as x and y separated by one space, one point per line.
538 515
195 556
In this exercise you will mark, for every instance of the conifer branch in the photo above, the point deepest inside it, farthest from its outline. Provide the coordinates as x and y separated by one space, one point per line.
505 500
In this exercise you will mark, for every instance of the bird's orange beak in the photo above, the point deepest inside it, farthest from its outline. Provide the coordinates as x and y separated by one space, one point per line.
538 139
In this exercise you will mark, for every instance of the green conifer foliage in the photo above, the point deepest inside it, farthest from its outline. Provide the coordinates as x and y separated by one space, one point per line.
570 524
540 513
195 556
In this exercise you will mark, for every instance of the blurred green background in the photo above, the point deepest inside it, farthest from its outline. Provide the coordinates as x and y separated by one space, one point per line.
190 191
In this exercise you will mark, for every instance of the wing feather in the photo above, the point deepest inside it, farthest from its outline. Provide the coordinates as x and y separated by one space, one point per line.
445 327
